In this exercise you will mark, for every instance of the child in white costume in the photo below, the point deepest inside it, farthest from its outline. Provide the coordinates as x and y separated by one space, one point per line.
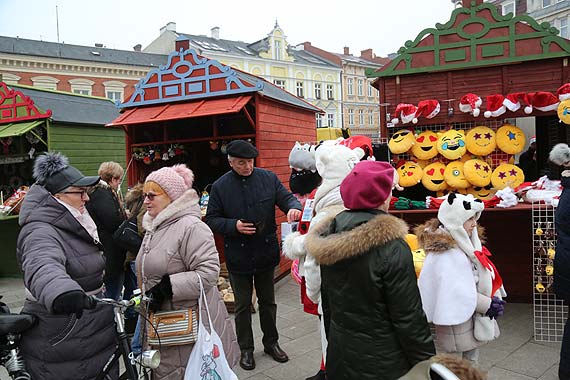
460 287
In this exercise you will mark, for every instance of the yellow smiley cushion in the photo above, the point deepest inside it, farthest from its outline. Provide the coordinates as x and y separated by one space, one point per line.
507 175
454 175
410 174
433 177
480 141
510 139
482 192
477 172
451 144
401 141
424 148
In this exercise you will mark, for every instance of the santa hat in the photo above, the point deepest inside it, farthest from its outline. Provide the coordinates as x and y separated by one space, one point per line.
532 140
470 103
406 112
428 109
495 106
360 141
564 92
542 101
512 101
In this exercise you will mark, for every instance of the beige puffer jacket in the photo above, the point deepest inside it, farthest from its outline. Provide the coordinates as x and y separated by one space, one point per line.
178 243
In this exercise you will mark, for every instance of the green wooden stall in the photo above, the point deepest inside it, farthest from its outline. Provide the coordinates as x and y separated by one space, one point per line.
34 120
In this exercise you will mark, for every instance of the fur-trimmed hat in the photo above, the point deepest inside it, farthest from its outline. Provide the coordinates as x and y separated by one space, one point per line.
560 155
52 171
174 180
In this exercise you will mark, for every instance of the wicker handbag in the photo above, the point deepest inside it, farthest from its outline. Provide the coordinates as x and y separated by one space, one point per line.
173 328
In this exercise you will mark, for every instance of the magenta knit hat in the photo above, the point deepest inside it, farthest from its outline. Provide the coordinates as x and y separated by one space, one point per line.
174 180
368 185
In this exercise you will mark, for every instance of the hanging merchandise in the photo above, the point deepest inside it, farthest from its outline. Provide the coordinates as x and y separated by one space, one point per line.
513 101
433 179
480 141
507 175
510 139
410 173
6 142
401 141
542 101
495 106
564 111
451 144
470 103
424 148
426 108
404 112
477 172
454 175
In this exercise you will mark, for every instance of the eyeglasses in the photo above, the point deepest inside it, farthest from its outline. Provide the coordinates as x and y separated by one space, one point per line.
150 196
82 192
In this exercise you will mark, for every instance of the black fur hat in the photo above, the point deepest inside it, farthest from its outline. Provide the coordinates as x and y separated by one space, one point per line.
52 171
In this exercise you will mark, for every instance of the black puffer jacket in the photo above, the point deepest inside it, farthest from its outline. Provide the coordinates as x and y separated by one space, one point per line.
58 255
562 258
377 327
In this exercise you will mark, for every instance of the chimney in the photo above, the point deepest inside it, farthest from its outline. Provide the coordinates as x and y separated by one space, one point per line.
170 27
215 32
346 50
99 45
182 43
137 47
367 54
307 43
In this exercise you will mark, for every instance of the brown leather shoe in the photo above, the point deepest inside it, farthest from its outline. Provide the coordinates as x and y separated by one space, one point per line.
247 361
276 353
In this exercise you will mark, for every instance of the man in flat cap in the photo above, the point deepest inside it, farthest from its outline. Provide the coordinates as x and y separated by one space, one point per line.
242 208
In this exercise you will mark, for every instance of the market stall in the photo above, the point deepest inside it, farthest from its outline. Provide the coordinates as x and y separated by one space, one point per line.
189 110
479 77
33 121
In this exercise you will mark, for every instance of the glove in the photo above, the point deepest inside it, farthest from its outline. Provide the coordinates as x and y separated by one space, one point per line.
73 302
159 293
496 309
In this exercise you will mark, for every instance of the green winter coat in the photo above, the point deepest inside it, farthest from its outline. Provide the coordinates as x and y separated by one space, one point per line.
377 327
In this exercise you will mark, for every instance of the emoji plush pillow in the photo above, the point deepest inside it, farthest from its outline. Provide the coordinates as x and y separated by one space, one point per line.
477 172
480 141
507 175
482 192
424 148
401 141
454 175
410 174
451 144
433 177
510 139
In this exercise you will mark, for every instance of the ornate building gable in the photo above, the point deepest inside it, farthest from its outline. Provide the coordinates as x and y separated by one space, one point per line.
16 107
276 46
187 76
476 36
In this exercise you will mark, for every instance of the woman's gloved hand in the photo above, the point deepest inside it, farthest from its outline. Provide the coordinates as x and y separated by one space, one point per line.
497 308
73 302
159 293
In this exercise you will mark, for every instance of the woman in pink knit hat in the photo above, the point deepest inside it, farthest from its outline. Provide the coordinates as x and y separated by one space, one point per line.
177 249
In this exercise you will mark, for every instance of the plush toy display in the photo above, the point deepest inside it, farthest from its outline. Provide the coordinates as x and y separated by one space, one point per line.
564 111
477 172
401 141
454 175
433 179
410 174
510 139
507 175
482 192
424 148
451 144
480 141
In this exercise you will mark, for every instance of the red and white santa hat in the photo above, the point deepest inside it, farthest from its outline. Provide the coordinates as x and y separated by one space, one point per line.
564 92
405 112
513 101
542 101
470 103
495 106
428 109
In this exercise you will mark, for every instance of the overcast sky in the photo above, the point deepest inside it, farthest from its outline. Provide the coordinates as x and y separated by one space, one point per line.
383 25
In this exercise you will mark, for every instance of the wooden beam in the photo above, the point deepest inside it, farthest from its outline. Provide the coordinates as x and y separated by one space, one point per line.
197 139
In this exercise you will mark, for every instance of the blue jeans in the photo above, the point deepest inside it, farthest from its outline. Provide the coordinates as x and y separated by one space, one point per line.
136 344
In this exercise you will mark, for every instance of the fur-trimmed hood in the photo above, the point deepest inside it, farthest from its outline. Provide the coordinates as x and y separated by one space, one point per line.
333 248
133 197
187 204
433 239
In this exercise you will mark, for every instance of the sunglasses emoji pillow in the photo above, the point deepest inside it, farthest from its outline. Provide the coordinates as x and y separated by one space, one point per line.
451 144
480 141
401 141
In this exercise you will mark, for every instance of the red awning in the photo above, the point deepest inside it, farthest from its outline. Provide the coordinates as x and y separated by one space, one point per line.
185 110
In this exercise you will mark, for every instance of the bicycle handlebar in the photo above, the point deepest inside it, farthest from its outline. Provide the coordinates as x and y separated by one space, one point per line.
135 301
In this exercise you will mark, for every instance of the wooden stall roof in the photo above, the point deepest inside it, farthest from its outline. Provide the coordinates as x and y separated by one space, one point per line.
16 107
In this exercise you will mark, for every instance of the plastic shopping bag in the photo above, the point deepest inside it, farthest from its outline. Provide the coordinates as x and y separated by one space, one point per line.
207 360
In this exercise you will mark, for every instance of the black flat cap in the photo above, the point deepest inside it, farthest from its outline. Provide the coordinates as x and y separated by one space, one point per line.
241 149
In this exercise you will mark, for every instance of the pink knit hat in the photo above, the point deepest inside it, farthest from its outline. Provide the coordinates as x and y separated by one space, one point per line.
368 185
174 180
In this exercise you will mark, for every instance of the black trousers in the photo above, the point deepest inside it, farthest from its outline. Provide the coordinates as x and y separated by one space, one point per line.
242 285
564 366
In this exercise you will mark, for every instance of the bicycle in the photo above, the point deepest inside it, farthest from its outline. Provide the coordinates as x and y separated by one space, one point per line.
11 328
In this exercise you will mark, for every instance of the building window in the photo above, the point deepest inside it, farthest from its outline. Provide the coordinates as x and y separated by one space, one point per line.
563 27
114 90
350 117
81 86
370 88
319 120
9 78
508 8
47 83
114 95
370 117
277 47
300 89
360 88
330 95
279 83
317 90
330 120
349 89
361 117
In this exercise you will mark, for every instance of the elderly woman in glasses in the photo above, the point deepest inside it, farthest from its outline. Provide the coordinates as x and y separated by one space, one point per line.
177 249
61 258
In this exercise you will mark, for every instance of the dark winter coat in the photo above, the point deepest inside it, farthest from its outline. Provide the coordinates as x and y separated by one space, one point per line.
252 199
107 213
562 258
57 255
378 329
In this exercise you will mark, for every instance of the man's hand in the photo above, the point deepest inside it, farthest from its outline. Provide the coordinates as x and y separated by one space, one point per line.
245 228
294 215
